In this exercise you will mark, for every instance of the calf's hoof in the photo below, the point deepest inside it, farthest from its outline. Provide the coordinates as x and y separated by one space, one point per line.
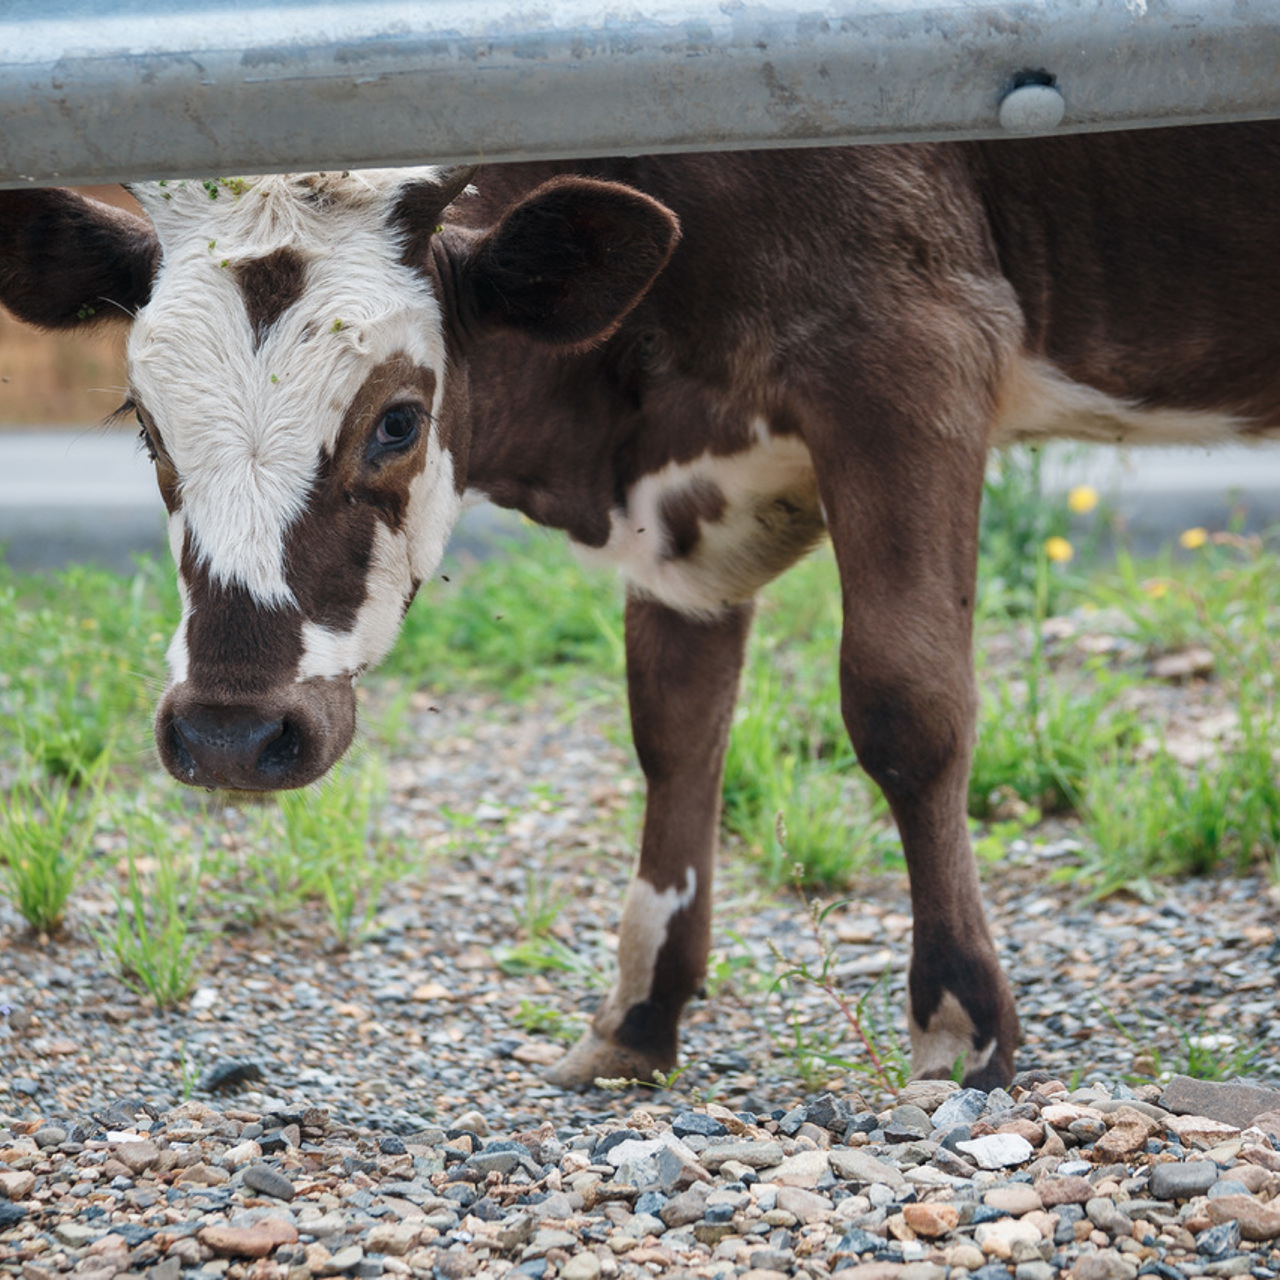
594 1058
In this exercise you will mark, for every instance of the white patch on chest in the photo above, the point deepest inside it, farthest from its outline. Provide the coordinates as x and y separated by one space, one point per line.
764 516
1041 403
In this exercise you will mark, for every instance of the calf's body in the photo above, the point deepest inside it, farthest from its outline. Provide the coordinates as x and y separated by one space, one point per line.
833 346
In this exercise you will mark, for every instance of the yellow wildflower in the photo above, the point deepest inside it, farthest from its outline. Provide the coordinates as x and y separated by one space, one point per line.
1193 538
1156 588
1059 550
1082 499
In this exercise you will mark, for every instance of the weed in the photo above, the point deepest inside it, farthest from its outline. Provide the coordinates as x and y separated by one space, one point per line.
1195 1052
813 1049
156 942
1040 742
539 950
538 1019
332 849
1017 521
512 622
46 827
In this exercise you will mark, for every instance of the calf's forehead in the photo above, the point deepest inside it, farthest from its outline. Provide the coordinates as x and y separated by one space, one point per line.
268 323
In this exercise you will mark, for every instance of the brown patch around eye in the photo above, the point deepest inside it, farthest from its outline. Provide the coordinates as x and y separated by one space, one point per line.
166 472
329 550
270 286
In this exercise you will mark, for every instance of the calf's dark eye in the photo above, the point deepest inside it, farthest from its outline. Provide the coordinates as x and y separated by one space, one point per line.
396 429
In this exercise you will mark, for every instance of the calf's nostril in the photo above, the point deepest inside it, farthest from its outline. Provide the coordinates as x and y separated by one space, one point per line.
181 754
282 752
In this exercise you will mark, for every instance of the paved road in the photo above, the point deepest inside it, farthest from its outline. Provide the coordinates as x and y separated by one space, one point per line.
88 495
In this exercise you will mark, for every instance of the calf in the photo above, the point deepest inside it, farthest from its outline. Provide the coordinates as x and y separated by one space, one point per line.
696 366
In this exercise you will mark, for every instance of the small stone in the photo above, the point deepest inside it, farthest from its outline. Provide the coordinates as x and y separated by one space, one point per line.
344 1261
1201 1129
395 1238
966 1255
687 1207
931 1220
1106 1264
804 1169
1069 1190
808 1206
962 1107
1236 1105
242 1153
915 1119
1106 1215
857 1166
137 1157
1037 1270
268 1181
229 1073
997 1239
505 1162
1016 1199
1219 1241
76 1234
998 1150
1180 1180
51 1135
16 1184
690 1123
1257 1221
756 1155
582 1266
472 1122
256 1241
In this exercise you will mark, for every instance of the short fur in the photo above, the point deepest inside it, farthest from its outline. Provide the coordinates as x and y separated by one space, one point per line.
837 339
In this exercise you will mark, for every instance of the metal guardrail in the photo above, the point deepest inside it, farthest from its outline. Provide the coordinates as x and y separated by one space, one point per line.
158 88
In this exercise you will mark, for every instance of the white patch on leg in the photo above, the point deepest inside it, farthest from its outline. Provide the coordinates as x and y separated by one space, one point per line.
948 1039
646 922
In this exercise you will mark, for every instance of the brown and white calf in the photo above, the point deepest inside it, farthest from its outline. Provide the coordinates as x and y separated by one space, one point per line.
696 366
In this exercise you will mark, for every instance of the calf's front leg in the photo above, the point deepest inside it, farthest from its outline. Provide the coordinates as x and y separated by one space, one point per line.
902 506
682 682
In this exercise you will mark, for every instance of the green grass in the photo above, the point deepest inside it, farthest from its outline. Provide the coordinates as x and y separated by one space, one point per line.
46 826
513 622
81 659
156 939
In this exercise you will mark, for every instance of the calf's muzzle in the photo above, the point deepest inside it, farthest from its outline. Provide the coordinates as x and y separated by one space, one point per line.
270 743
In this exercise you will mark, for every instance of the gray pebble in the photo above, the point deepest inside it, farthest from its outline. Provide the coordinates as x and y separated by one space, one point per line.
268 1181
1181 1180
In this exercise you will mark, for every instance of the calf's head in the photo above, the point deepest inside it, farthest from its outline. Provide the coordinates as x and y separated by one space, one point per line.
297 361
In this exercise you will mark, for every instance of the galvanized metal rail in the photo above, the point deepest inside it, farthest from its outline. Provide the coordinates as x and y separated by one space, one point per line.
160 88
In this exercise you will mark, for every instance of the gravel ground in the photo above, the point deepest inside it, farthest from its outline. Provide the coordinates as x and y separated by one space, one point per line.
315 1113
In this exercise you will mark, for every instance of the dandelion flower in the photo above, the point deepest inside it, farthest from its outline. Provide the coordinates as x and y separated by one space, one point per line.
1082 499
1156 588
1193 538
1059 550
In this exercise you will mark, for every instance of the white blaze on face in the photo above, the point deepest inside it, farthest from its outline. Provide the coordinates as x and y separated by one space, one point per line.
245 416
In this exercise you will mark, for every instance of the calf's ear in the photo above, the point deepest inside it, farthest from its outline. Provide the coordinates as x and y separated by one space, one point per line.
567 262
66 260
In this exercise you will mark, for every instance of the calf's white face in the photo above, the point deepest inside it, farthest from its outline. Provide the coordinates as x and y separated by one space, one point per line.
302 388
